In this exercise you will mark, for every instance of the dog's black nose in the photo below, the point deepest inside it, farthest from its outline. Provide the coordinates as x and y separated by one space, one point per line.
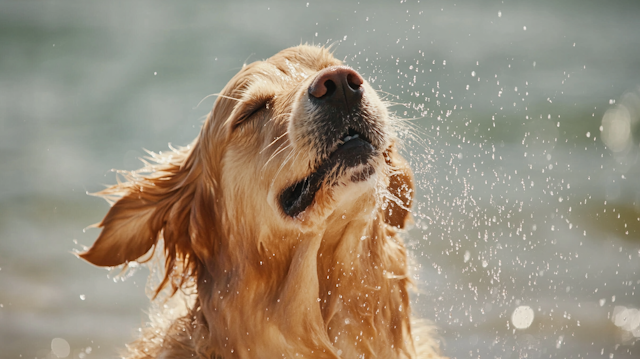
339 86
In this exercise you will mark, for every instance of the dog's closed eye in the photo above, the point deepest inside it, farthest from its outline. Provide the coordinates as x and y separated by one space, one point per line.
250 107
249 112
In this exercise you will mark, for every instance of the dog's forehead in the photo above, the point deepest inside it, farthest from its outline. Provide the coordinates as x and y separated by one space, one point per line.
288 71
298 63
303 58
281 71
266 76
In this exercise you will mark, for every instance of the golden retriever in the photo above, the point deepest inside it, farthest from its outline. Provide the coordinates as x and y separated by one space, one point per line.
279 222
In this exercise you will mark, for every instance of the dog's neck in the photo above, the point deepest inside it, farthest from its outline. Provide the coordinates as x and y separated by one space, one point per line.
340 292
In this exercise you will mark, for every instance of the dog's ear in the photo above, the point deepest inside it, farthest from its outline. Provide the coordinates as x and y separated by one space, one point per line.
397 211
129 229
167 200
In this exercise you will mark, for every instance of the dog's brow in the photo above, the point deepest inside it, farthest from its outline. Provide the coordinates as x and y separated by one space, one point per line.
218 95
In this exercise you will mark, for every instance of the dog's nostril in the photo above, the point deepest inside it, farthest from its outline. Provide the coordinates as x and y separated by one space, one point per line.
320 89
354 81
330 88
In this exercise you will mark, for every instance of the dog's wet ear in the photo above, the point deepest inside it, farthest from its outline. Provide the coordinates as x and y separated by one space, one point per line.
128 230
171 204
397 212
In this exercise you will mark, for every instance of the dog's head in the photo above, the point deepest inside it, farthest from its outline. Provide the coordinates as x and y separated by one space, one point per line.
296 143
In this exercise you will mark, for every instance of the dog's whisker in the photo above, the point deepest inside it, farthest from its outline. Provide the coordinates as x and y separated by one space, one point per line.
286 160
278 150
386 94
412 131
284 163
276 153
274 141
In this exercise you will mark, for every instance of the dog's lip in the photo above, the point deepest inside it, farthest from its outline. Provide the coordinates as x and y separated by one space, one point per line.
349 135
353 149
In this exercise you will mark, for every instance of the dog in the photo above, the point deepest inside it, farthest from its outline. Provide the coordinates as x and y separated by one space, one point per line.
280 224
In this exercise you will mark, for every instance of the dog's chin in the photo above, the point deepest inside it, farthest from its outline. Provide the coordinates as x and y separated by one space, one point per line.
352 164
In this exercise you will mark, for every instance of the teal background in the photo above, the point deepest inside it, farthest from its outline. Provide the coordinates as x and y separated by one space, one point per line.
520 202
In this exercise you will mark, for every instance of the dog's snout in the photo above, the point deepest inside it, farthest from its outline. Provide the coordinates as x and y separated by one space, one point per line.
337 85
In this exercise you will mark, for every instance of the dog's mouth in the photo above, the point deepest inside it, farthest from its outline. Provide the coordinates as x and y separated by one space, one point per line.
353 150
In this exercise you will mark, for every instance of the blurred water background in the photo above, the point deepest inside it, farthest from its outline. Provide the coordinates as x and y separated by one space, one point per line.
525 144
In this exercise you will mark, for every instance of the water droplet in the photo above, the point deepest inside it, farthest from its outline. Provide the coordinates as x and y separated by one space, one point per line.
60 347
522 317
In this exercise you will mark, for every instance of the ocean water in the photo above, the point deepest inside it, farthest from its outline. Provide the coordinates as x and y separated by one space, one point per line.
523 136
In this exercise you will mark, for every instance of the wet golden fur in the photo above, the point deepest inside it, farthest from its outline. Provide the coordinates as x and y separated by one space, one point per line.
331 282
